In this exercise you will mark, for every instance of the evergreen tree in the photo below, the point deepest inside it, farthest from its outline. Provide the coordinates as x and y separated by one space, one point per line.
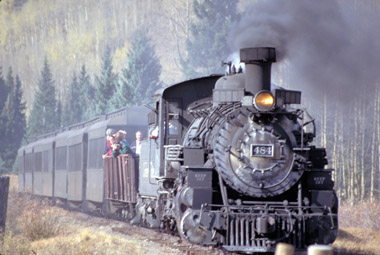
105 84
207 46
141 77
120 97
43 117
4 90
59 113
4 114
12 122
87 92
73 108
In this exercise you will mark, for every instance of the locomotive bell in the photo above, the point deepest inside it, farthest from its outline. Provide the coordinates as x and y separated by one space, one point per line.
258 63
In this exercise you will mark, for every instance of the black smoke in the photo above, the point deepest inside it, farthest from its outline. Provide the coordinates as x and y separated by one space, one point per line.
329 46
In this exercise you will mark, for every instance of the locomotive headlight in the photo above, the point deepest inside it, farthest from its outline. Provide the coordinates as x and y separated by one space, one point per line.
264 101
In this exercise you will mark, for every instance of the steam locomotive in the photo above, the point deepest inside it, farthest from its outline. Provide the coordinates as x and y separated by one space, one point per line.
227 162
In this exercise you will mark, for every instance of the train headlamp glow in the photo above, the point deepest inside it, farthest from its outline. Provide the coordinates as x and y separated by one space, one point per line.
264 101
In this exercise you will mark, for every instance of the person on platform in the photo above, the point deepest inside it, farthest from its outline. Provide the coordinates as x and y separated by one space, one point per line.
136 145
121 145
110 139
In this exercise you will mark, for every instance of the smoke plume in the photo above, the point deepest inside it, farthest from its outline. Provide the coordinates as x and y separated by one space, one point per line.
329 46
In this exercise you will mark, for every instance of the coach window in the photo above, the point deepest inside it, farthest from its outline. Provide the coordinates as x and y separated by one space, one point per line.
45 161
20 164
29 163
38 162
61 158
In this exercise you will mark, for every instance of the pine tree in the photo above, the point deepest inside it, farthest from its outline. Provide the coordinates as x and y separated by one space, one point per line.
105 84
207 46
59 113
13 123
120 97
87 92
43 117
4 90
4 114
141 77
73 108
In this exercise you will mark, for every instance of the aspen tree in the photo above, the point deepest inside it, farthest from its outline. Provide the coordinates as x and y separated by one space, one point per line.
378 140
354 154
324 124
335 156
342 170
362 191
373 148
343 174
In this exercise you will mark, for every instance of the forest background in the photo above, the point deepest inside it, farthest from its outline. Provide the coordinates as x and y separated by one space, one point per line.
63 62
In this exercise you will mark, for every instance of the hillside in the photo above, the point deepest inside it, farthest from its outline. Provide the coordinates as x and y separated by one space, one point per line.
72 33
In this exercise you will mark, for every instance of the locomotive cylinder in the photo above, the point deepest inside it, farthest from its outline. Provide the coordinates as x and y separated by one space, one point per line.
258 64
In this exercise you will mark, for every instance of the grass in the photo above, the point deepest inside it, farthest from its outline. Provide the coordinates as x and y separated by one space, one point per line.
14 244
362 214
28 219
34 226
359 227
84 242
358 240
40 221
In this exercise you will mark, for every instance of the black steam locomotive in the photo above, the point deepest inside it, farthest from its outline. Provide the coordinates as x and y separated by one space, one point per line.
227 162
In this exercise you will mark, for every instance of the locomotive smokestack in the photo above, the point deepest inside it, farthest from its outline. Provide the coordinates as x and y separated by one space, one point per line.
258 63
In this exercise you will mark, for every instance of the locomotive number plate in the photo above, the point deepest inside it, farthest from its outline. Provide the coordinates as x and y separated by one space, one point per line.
262 150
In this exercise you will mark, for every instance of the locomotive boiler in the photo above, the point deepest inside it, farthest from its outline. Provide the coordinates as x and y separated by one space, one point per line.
232 163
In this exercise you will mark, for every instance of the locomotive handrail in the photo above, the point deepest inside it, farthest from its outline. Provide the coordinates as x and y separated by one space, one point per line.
304 124
331 218
172 152
149 161
223 191
272 206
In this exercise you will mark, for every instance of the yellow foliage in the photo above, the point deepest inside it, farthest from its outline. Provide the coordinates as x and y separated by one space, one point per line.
28 13
4 29
6 6
120 57
69 33
5 21
52 31
80 45
53 53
